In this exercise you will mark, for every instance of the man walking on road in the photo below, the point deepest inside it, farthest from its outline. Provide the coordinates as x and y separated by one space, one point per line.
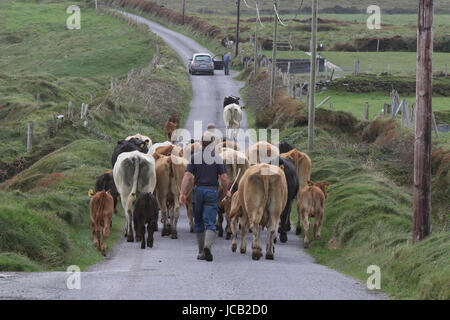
207 168
226 63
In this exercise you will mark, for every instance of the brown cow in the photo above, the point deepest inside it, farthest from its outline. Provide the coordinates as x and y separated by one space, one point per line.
311 202
302 164
262 197
102 209
170 126
169 174
262 151
235 162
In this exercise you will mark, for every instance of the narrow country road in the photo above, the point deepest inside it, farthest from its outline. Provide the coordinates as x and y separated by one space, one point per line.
170 269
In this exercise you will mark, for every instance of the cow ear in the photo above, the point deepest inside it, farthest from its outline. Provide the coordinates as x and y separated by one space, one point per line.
242 107
327 185
91 193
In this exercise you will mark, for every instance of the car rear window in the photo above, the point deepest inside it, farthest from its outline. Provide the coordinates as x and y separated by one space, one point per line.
203 58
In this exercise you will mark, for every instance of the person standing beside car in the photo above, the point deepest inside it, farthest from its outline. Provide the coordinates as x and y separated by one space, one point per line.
226 63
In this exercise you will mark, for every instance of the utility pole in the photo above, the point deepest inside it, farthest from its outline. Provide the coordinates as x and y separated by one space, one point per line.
274 54
312 81
422 144
184 10
238 3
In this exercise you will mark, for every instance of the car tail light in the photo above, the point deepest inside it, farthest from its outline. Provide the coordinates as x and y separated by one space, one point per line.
212 64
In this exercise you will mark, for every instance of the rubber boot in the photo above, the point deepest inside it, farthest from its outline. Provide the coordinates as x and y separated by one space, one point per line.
201 245
209 240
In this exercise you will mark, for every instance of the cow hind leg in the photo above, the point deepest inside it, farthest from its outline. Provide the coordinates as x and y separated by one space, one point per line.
190 216
176 215
228 228
219 224
105 235
318 224
257 251
298 229
234 231
305 218
244 229
151 228
94 234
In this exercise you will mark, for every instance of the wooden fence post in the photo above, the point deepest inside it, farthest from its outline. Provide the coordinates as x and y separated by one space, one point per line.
366 111
30 137
331 106
356 72
70 111
389 69
38 100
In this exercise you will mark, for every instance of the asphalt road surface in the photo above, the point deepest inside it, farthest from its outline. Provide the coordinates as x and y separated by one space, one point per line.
170 269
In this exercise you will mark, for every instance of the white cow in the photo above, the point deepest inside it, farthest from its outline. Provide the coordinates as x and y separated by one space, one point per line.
134 172
232 116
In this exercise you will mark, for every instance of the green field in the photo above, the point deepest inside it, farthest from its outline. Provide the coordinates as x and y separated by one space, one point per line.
355 102
44 206
401 63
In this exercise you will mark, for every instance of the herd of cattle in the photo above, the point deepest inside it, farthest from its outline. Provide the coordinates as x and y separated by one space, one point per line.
147 178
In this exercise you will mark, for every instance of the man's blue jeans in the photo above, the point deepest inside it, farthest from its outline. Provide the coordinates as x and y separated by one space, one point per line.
205 208
226 66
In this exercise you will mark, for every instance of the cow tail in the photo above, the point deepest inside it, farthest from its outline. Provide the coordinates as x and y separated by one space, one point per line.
136 175
135 182
265 179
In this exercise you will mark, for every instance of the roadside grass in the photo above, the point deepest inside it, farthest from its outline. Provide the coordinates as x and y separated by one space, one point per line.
44 220
60 65
368 221
368 213
44 207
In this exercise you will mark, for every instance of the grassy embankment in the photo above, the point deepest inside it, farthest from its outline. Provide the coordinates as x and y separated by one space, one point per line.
368 214
44 212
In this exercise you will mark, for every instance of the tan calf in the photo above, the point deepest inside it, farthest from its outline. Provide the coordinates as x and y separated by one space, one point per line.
311 203
262 196
102 209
